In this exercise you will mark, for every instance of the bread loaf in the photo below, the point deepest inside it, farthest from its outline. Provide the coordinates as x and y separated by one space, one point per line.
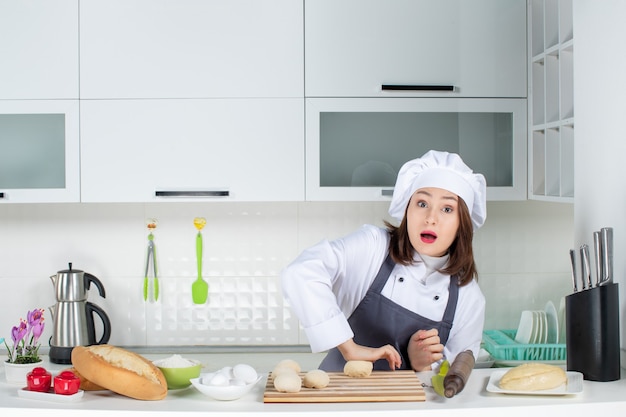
120 371
533 377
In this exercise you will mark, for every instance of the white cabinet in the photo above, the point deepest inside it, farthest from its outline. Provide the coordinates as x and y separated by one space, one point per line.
551 101
191 48
354 47
39 49
39 151
356 146
212 150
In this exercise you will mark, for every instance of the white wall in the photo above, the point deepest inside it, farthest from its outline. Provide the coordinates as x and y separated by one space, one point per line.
600 143
522 254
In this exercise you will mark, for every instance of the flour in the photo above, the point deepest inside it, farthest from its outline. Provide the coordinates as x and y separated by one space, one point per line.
174 361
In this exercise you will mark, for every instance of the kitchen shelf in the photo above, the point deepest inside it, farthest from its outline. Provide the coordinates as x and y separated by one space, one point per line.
551 101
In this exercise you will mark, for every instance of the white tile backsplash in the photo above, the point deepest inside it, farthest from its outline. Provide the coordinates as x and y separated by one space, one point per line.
522 256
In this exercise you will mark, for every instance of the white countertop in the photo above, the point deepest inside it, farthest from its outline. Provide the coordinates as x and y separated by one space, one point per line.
475 400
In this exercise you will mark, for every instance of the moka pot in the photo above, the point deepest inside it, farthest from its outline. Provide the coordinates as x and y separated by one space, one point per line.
73 315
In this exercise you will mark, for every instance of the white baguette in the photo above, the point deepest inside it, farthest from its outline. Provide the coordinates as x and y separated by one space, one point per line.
533 377
120 371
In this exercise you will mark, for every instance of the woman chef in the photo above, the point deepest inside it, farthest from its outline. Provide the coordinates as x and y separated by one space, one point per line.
402 297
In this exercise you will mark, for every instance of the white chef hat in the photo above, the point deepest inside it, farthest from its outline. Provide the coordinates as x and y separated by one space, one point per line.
441 170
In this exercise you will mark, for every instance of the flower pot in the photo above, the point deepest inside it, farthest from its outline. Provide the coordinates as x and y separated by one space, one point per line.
15 373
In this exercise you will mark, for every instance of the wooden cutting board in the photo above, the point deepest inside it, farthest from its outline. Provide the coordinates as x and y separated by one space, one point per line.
380 386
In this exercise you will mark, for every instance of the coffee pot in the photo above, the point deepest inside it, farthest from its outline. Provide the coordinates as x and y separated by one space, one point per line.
73 315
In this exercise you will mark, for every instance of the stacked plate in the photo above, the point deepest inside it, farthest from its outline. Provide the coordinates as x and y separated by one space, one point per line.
538 326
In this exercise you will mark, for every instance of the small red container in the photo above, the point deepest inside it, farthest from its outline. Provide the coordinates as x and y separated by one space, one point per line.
39 380
66 383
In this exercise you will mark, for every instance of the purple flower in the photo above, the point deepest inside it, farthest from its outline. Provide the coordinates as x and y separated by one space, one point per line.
25 337
18 332
36 323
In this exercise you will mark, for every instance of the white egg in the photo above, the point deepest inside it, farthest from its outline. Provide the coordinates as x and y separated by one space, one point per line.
244 372
219 379
228 372
237 382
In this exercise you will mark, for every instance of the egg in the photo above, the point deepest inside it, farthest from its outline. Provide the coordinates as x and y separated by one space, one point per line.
219 379
245 373
228 372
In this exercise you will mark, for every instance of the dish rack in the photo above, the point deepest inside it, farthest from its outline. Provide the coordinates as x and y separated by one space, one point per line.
502 346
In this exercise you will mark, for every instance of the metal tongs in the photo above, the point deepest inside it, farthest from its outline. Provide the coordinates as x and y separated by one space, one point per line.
603 257
151 258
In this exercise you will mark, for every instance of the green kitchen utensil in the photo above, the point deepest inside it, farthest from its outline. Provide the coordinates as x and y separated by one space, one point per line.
437 380
152 224
199 288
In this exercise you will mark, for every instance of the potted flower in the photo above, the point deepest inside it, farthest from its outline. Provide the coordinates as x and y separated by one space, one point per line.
24 354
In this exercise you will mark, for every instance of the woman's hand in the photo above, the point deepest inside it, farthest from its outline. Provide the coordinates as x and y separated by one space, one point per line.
424 349
353 352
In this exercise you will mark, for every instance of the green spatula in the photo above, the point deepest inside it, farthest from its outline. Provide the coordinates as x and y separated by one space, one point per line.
199 288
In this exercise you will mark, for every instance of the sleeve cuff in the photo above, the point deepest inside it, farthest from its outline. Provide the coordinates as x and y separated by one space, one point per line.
329 334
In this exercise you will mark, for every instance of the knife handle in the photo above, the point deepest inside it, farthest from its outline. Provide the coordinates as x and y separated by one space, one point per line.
584 265
572 257
597 256
606 234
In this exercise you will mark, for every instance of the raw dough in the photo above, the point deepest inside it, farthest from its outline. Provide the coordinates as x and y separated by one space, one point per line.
288 382
533 377
290 363
316 378
286 365
358 369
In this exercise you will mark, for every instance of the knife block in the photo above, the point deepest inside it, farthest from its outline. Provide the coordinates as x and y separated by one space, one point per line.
592 333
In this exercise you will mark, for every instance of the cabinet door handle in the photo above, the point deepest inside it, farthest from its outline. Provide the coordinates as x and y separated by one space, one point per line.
197 193
386 193
1 195
417 87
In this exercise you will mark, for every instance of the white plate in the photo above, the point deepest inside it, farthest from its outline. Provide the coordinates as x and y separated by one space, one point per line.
50 396
562 321
525 328
553 323
573 386
543 325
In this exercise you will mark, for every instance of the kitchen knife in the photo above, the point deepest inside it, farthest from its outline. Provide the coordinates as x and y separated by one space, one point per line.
597 256
572 257
606 235
584 261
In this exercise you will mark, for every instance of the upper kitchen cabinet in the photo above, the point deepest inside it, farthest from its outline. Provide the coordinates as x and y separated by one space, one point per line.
356 146
39 151
451 48
191 48
39 49
192 150
551 101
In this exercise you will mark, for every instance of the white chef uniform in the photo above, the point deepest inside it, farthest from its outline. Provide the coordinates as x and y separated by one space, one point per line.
326 283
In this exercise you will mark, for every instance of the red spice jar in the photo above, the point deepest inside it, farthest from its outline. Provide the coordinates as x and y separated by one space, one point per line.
66 383
38 380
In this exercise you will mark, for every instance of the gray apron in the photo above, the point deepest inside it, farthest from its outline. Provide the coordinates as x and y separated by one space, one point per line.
378 321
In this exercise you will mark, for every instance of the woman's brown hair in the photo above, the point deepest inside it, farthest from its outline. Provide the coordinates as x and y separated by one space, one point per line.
461 252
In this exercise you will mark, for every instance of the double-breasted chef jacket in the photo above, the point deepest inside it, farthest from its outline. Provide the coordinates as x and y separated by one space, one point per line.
327 282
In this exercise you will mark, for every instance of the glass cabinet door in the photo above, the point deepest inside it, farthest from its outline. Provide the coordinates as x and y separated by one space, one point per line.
355 148
39 151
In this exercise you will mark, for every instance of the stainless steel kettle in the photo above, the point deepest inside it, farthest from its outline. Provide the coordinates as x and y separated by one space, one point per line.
73 315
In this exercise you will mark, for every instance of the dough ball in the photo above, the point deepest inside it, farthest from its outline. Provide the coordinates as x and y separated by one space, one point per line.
316 378
533 377
278 370
290 363
288 382
358 369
